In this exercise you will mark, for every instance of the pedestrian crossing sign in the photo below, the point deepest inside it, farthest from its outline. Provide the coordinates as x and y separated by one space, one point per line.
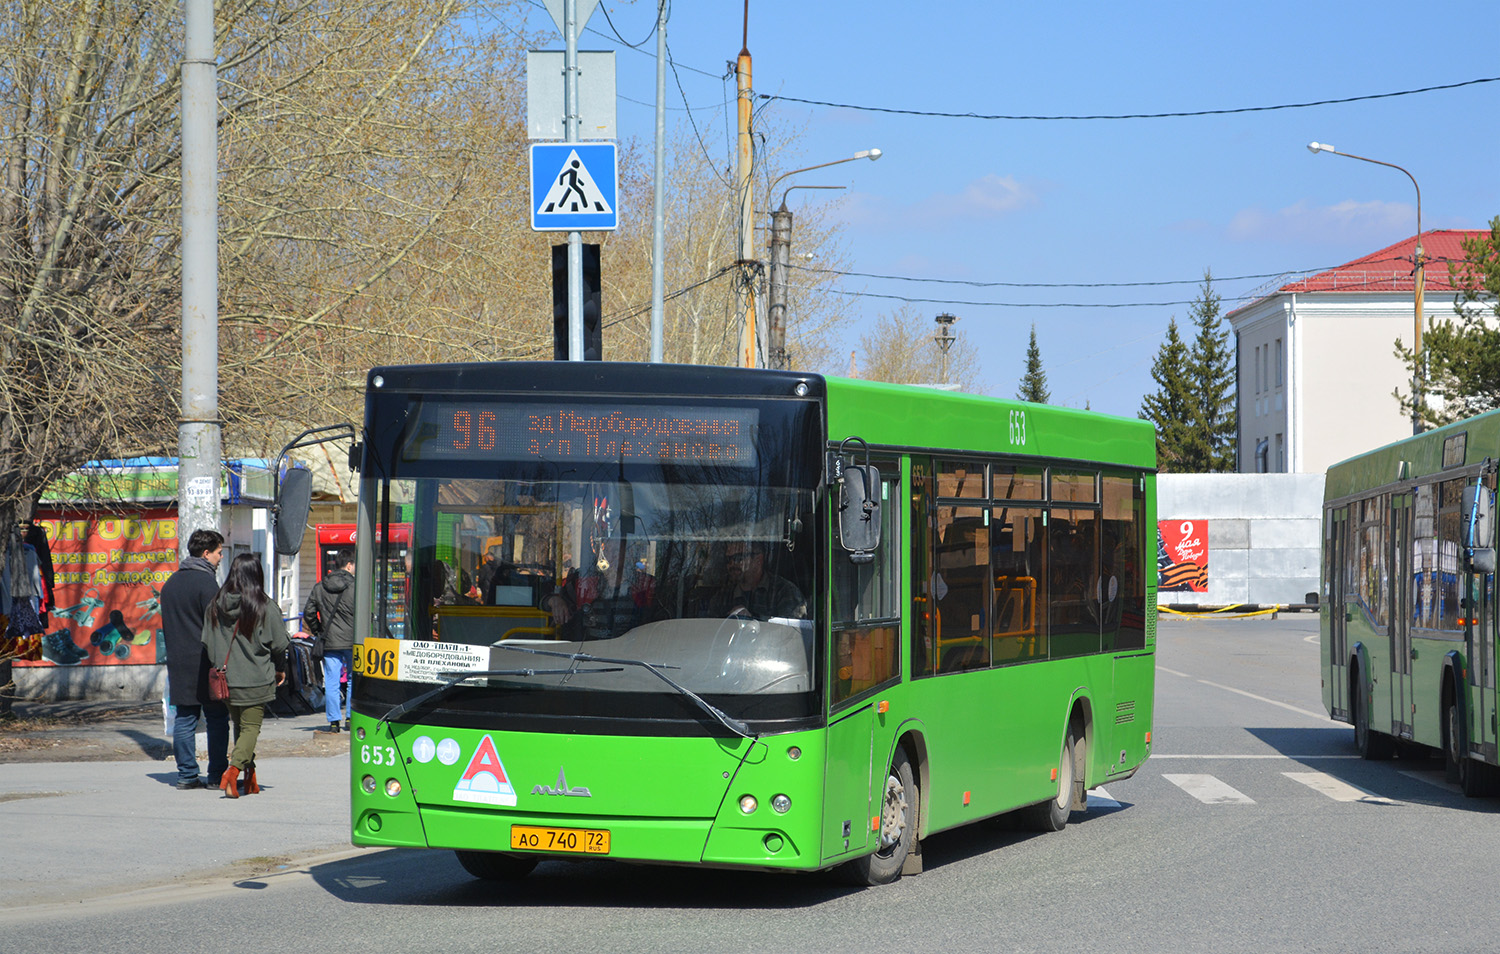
573 187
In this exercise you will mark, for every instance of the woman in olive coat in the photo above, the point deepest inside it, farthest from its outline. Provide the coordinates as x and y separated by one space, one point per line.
243 624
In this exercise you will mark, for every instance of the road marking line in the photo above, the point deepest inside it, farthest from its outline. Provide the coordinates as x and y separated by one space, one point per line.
1435 780
1337 789
1174 672
1209 790
1099 798
1295 758
1320 716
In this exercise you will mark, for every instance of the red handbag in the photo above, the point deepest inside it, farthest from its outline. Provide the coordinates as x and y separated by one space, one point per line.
218 678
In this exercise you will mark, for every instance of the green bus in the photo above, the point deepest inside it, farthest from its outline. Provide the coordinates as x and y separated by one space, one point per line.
739 618
1408 617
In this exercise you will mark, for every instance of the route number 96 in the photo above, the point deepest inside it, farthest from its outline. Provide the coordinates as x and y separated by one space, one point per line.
372 661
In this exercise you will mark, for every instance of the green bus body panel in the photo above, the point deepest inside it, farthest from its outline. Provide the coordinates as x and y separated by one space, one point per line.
662 799
1402 462
898 416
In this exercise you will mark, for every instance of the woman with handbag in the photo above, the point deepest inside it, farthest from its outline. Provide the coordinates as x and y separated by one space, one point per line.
243 628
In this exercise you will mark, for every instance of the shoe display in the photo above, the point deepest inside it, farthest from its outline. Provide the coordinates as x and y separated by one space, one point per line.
229 784
189 784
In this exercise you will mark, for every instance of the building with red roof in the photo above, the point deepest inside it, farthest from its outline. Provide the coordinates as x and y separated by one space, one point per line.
1316 356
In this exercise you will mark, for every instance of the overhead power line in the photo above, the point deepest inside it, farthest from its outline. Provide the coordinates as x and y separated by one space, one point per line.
1171 115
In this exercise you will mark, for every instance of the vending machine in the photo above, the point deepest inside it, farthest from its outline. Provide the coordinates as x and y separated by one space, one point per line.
332 537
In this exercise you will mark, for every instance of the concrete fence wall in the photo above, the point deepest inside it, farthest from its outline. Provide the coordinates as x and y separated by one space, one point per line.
1264 534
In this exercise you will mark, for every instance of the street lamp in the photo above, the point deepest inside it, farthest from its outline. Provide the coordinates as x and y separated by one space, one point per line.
781 244
1416 368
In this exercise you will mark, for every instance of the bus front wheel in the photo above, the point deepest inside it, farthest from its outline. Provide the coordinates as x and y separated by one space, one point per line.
898 828
496 865
1373 746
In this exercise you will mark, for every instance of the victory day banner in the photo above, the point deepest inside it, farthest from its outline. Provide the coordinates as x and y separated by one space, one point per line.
1182 556
109 572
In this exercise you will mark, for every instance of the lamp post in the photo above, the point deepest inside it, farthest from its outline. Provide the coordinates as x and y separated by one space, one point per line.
781 243
1416 353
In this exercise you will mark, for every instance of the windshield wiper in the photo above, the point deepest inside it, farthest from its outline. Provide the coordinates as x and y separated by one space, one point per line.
454 678
734 725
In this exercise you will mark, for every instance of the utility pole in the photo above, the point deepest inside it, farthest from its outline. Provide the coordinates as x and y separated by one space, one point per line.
744 180
658 212
781 244
199 441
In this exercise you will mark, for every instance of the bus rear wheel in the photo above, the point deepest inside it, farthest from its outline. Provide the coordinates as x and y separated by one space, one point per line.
1052 815
496 865
898 829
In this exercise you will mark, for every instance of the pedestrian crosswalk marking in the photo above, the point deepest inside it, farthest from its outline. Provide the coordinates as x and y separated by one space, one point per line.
1336 789
1100 799
1209 790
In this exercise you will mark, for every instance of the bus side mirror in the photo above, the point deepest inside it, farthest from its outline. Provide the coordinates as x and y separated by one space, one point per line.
859 511
293 503
1479 527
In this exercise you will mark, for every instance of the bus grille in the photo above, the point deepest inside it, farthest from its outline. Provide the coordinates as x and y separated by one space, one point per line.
1125 712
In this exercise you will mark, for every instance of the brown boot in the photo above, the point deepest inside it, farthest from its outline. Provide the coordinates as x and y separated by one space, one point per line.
230 782
252 787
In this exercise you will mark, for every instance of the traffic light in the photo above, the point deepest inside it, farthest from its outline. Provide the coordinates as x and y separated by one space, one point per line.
593 349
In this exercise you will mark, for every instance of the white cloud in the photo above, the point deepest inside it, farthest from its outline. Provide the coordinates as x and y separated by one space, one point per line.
1338 224
986 198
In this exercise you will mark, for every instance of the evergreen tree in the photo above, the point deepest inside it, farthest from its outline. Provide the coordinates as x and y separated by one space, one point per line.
1174 406
1461 355
1211 367
1034 381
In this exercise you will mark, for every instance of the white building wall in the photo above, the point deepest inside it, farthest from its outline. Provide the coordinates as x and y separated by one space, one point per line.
1264 534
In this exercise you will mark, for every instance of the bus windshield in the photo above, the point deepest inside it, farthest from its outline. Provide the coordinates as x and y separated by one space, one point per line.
701 568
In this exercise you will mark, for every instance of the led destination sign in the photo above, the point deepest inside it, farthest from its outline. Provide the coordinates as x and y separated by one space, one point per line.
645 433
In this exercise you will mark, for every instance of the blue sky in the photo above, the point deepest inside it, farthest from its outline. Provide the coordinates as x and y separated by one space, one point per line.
1094 201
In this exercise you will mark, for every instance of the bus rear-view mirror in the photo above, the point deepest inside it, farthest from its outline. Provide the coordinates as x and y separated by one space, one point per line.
293 504
859 511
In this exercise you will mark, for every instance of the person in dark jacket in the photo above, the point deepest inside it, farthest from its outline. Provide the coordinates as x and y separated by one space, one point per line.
184 597
243 626
329 615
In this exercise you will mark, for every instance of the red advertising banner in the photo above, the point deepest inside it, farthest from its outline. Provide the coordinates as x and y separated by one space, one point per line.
1182 556
109 571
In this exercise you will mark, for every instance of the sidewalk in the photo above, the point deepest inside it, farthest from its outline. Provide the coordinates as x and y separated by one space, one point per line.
89 804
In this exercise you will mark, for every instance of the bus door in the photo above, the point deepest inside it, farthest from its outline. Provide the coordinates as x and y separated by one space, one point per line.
1335 552
865 644
1482 661
1400 614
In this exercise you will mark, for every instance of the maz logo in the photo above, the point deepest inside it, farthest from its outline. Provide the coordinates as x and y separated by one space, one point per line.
562 787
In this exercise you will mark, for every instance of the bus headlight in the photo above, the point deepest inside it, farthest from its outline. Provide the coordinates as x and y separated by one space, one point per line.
747 804
392 787
368 784
781 803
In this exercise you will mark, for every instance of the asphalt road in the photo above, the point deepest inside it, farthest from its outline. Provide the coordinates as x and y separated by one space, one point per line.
1252 828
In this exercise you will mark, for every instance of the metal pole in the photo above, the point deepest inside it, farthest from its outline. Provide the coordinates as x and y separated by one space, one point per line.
1420 280
199 442
658 213
781 244
570 134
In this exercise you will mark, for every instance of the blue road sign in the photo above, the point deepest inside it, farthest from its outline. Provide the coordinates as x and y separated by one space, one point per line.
574 186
